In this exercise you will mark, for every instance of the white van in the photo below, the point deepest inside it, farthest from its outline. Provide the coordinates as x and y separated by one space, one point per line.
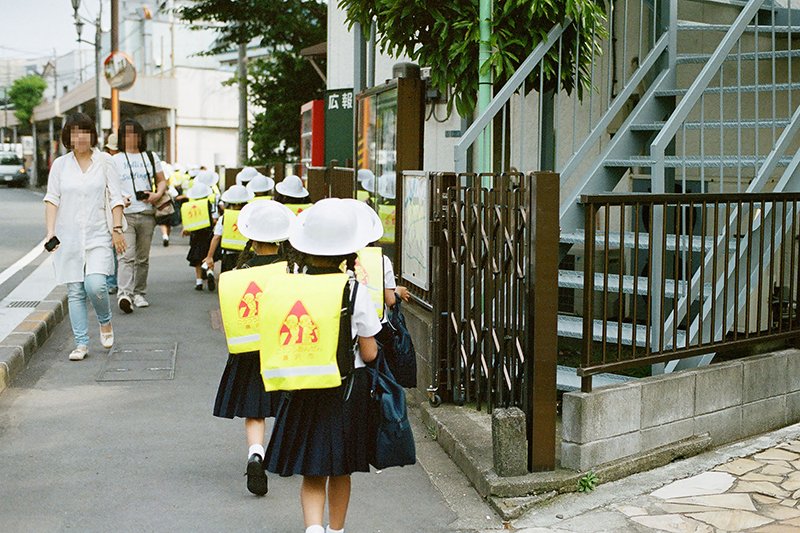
12 170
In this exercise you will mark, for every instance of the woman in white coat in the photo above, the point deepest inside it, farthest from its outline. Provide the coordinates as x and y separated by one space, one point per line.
82 185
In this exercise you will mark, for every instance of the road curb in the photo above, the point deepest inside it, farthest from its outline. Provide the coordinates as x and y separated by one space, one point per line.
17 348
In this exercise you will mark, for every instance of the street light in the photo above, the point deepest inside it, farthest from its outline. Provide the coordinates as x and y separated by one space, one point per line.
79 21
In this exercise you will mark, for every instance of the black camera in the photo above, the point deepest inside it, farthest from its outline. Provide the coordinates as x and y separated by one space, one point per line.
141 196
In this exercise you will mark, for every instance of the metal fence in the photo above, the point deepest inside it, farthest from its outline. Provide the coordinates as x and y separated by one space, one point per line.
494 306
722 273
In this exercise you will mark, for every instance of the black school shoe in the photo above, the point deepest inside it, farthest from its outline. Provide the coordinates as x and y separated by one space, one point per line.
125 304
212 283
256 477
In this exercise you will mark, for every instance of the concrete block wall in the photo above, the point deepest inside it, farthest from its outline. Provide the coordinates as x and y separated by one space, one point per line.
729 401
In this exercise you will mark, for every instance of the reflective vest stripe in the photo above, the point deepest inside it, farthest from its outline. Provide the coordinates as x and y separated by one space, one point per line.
299 371
244 339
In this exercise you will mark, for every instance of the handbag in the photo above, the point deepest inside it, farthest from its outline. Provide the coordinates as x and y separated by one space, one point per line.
401 356
393 440
164 206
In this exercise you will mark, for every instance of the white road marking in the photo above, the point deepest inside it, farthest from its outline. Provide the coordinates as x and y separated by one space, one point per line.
22 263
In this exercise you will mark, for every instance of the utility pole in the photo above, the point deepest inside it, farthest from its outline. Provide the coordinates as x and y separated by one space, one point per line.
242 75
114 48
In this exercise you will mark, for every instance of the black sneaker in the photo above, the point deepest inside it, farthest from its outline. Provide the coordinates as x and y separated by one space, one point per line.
198 286
212 283
256 477
125 304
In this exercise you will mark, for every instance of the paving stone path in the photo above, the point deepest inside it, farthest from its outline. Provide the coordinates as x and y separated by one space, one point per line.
758 494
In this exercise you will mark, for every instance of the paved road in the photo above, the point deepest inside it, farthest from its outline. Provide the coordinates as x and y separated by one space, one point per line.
23 227
78 454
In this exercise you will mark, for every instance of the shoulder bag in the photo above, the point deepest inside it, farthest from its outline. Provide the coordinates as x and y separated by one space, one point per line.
164 206
393 441
401 357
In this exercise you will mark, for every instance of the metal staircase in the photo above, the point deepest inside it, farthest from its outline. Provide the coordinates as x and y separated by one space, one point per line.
710 105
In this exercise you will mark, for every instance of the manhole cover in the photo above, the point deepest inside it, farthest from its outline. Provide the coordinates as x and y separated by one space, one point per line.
140 362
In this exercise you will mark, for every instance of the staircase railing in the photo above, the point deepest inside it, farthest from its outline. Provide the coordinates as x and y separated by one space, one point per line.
616 81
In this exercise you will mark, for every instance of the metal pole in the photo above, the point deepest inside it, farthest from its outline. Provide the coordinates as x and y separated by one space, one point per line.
541 322
242 75
35 169
98 102
114 48
484 86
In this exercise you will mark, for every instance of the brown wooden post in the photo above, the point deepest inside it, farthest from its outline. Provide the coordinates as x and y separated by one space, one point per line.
542 320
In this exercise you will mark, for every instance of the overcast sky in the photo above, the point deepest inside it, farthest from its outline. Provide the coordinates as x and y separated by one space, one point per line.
33 28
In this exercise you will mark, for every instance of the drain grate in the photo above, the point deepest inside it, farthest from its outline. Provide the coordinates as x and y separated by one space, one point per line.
23 303
140 362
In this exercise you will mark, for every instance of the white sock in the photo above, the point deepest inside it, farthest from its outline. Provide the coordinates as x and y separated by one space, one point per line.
329 530
315 529
255 448
198 281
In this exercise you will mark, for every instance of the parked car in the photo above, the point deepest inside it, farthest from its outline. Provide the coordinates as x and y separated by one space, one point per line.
12 170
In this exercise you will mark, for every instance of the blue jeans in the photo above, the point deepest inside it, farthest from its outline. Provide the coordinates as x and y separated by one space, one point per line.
94 288
112 279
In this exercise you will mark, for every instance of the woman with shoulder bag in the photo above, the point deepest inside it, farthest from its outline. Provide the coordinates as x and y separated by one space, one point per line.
83 185
143 186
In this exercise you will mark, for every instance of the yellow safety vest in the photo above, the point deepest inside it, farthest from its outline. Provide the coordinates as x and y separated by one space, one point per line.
387 214
298 208
300 331
239 298
195 215
369 273
232 239
362 196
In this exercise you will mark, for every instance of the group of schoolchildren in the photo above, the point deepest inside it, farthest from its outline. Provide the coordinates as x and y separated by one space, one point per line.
290 304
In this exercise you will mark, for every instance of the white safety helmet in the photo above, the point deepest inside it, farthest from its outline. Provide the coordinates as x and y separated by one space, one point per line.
260 183
237 194
193 171
387 186
245 175
377 225
364 174
292 186
369 184
198 191
331 227
209 177
265 221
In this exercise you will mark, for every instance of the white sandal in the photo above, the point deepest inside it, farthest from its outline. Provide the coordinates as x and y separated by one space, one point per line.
107 339
79 353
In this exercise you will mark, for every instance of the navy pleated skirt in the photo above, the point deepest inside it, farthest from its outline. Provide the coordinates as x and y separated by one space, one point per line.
199 243
241 390
317 433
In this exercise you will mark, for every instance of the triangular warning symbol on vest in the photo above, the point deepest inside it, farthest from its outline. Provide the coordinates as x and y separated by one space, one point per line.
298 327
362 276
248 305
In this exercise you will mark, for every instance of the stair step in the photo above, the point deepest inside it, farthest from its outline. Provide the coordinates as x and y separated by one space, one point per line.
614 241
694 161
567 379
732 89
572 327
573 279
715 125
683 59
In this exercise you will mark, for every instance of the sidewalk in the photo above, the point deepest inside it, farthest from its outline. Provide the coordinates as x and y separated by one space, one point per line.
115 443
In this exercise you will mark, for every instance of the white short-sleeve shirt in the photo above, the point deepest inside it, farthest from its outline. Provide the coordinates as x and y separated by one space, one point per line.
365 321
388 274
137 167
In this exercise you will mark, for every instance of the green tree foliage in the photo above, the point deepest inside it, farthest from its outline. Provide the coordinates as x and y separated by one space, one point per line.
446 36
281 82
25 94
280 85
